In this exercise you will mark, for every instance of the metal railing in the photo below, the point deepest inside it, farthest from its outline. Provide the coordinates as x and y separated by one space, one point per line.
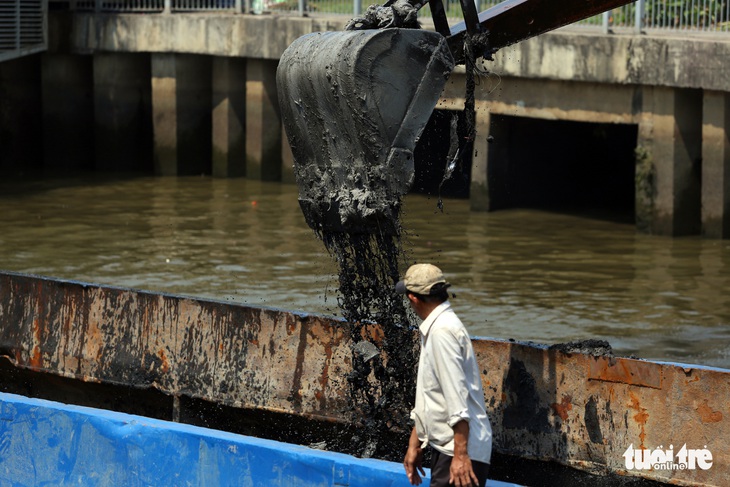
150 6
685 15
23 28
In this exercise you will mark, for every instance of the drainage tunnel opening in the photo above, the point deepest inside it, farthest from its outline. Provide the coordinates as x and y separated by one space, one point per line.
431 156
562 166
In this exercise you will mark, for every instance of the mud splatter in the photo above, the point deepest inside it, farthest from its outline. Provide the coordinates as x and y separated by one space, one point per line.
523 410
591 346
593 425
382 387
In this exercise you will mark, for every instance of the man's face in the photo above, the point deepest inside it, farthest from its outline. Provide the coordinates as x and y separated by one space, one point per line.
414 302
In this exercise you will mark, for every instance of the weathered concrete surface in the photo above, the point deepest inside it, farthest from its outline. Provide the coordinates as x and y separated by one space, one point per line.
568 54
20 115
716 164
67 94
670 134
122 112
181 114
263 121
249 36
659 60
229 117
554 404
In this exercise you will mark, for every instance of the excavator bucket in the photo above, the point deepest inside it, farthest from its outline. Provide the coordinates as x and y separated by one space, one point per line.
354 104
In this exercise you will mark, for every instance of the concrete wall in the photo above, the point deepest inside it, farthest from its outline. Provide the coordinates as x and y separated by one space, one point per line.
20 115
67 94
214 109
122 112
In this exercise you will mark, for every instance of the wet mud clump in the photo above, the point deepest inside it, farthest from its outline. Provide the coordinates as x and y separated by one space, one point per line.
382 381
591 346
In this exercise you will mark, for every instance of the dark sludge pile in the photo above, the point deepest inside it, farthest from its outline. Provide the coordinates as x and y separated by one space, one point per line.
382 381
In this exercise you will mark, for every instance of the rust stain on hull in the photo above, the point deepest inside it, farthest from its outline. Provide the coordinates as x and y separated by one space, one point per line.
576 409
707 414
563 408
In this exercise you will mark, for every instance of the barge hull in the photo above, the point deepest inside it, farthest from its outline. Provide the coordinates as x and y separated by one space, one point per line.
563 406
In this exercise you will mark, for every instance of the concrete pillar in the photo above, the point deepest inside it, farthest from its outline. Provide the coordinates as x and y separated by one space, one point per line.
21 148
181 114
669 162
287 160
716 165
68 112
123 112
479 185
263 121
229 117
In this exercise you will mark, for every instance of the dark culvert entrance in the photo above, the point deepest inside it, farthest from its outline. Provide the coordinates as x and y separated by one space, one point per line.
572 167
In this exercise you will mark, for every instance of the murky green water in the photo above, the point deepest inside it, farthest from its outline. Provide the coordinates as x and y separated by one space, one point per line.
522 274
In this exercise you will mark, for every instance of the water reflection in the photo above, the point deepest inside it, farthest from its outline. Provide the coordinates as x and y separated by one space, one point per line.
520 274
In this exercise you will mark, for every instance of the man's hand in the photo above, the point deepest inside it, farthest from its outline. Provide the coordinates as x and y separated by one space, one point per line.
413 462
461 473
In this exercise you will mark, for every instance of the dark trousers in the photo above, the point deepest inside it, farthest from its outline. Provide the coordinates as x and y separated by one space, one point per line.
440 465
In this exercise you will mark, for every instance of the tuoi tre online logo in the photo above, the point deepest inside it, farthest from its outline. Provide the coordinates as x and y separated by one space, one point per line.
660 459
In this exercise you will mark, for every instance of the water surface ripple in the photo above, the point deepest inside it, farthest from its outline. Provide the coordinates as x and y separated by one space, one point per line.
522 274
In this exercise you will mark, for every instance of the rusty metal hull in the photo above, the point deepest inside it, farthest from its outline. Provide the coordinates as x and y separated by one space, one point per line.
575 409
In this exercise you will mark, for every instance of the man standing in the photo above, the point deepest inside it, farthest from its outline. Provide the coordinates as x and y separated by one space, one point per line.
449 413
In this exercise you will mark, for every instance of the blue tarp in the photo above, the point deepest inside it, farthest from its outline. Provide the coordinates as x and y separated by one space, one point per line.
44 443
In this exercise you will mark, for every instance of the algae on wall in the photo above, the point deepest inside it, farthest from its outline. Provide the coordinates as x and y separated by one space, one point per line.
645 187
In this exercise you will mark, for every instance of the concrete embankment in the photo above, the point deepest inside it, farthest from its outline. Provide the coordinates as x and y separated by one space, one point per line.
621 121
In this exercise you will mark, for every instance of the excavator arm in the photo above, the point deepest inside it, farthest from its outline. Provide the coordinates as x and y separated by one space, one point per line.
354 103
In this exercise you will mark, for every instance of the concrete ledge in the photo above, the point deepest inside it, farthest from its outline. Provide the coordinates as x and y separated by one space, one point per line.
250 36
576 53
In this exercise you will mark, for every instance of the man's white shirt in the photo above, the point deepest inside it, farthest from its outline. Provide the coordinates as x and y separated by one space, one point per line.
449 387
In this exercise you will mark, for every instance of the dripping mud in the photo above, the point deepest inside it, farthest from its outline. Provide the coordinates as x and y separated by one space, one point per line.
382 381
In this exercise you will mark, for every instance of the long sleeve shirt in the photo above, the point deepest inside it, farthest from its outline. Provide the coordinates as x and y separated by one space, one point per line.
449 387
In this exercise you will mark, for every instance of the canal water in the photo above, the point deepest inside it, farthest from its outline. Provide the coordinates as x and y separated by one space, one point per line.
522 274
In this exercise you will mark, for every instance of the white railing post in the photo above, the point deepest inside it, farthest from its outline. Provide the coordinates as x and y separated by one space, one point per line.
302 5
17 25
168 7
97 6
238 6
357 7
604 23
639 20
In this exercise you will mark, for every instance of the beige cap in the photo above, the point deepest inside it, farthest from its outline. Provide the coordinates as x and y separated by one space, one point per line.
421 279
